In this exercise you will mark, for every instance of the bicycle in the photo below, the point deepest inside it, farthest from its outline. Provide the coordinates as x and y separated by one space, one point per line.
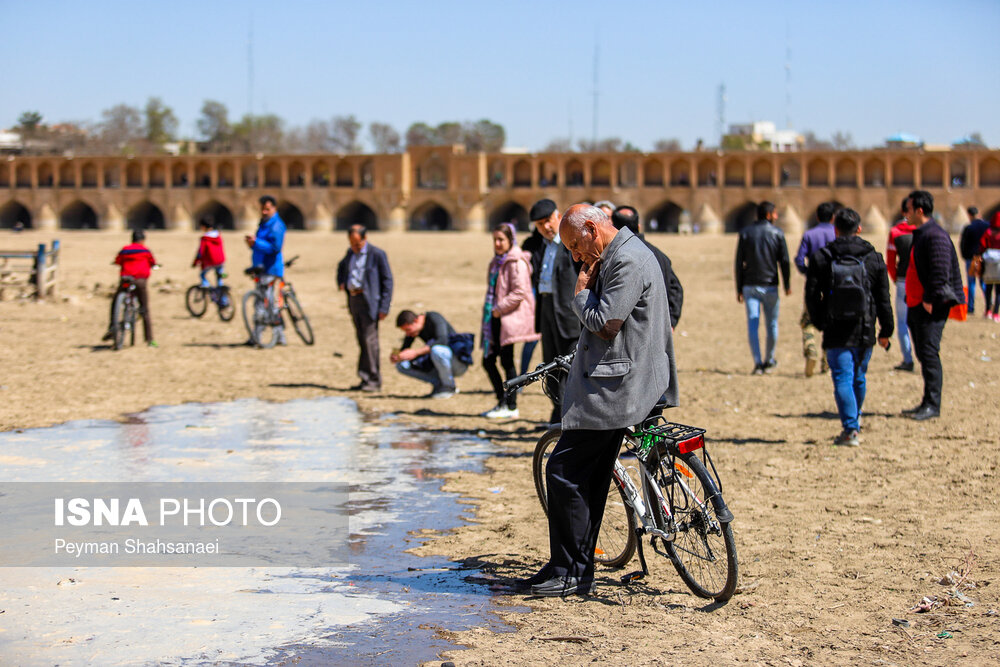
260 315
197 297
680 504
124 313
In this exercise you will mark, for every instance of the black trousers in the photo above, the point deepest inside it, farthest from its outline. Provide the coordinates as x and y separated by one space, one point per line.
925 332
367 331
577 478
506 355
553 345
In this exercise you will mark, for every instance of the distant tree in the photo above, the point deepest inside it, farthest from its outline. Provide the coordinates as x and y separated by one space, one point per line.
561 145
344 132
315 137
29 122
213 125
629 147
449 133
484 135
842 141
161 123
265 134
814 143
610 145
667 145
421 134
121 128
384 138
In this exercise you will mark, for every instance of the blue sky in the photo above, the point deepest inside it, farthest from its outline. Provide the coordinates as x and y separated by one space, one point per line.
869 68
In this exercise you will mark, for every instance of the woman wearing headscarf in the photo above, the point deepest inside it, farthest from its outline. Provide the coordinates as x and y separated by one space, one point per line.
508 315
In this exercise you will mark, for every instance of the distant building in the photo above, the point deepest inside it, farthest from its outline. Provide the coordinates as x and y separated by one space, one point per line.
903 140
10 142
762 135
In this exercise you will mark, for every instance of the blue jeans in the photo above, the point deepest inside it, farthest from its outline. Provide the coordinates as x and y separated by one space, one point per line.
902 331
971 280
218 275
848 366
755 296
446 368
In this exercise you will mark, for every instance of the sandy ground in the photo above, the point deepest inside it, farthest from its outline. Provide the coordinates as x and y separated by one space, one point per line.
833 543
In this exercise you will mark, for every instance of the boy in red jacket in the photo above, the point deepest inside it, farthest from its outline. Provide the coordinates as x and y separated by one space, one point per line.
136 261
211 255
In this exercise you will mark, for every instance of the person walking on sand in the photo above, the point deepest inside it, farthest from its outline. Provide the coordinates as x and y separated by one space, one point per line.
847 291
761 252
814 239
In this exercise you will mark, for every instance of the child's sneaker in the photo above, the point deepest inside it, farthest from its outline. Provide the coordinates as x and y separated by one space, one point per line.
153 343
502 412
847 439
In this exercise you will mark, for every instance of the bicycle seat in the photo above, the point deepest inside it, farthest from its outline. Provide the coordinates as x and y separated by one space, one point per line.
255 271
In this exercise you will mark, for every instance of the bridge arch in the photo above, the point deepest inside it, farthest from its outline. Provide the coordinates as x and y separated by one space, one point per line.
45 175
548 174
133 175
67 175
680 173
14 212
845 173
510 211
818 173
791 174
296 175
874 173
522 174
157 175
735 173
272 175
345 174
292 215
22 175
708 174
902 173
356 213
574 174
145 215
600 174
652 173
226 175
664 217
932 173
216 212
761 174
741 216
78 215
88 175
321 174
430 216
202 175
989 173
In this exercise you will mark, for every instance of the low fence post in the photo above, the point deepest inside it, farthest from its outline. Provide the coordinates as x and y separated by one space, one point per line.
40 272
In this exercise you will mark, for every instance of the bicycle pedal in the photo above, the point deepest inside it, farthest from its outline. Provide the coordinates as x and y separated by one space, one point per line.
632 576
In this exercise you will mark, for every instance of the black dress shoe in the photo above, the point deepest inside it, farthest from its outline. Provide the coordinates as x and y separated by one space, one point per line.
907 367
926 412
539 577
915 410
560 587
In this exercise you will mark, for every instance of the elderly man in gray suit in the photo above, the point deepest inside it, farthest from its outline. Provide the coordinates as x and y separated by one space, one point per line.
623 365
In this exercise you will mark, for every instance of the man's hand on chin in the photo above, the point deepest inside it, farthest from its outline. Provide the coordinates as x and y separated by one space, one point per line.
587 277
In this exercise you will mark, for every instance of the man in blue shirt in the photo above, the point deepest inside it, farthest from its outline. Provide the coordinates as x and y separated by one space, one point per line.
266 245
814 239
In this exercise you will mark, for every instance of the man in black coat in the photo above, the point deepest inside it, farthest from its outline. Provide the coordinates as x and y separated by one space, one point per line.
933 288
553 277
969 246
848 342
627 216
364 274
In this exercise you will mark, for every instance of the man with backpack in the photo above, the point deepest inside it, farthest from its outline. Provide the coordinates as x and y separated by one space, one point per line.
847 290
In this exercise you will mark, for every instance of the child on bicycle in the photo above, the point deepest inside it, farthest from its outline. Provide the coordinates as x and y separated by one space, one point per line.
136 262
211 254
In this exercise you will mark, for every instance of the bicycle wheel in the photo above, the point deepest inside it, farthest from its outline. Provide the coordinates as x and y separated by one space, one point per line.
616 540
257 319
227 309
118 321
195 301
131 317
703 550
299 319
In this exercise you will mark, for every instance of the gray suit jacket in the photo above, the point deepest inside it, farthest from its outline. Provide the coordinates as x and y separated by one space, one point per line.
625 356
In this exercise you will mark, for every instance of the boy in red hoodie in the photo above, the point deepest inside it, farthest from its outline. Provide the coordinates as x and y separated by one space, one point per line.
989 248
136 261
211 255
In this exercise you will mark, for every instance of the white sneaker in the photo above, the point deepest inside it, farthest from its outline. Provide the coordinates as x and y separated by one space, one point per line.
501 412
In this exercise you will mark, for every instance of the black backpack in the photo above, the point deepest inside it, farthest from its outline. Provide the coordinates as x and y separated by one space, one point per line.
850 292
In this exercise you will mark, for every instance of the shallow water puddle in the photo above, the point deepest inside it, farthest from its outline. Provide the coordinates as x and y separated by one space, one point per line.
376 610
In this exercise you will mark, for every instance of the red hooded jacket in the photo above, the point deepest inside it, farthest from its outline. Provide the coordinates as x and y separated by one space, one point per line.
135 260
210 251
991 237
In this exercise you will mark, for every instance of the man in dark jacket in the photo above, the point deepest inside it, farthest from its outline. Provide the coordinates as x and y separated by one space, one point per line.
848 342
969 247
553 277
627 216
364 274
760 252
933 287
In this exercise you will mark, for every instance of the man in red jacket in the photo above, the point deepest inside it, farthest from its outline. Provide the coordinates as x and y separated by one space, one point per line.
136 261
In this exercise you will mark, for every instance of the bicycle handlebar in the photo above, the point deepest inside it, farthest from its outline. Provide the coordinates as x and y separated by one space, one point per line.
543 370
